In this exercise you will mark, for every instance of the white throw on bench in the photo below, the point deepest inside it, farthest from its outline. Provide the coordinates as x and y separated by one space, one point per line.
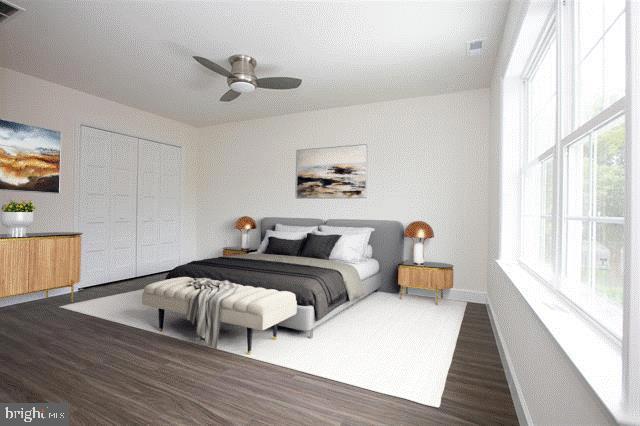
251 307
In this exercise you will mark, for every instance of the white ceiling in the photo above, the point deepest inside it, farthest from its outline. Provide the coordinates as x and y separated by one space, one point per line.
139 52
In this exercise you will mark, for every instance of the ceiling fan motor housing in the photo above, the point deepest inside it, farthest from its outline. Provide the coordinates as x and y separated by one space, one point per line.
243 70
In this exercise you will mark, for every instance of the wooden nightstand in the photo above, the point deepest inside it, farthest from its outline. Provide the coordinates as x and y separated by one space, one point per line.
428 276
235 251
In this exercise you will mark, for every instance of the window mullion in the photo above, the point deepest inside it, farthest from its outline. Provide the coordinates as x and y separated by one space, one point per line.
558 205
592 213
631 332
524 158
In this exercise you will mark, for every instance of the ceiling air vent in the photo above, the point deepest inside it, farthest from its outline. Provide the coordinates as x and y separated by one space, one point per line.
475 47
7 10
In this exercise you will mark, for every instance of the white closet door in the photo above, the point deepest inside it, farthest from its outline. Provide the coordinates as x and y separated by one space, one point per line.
159 174
169 207
95 159
124 186
149 165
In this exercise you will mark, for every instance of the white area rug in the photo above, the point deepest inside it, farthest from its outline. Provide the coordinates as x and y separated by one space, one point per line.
396 347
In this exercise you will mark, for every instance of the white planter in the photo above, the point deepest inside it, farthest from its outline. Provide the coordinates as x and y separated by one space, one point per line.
17 222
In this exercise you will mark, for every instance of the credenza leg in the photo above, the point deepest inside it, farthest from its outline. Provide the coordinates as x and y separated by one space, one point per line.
71 293
46 293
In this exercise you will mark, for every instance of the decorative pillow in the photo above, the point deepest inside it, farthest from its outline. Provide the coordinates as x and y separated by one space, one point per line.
279 234
293 228
369 253
286 247
319 246
348 248
349 230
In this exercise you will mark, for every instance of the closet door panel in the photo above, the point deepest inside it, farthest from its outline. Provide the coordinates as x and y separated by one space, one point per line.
95 165
124 187
159 204
149 165
170 198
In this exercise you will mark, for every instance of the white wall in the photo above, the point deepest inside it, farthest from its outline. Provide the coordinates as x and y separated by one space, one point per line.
546 387
29 100
427 160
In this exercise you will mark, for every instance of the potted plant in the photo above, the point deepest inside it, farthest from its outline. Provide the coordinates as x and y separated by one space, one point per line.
18 216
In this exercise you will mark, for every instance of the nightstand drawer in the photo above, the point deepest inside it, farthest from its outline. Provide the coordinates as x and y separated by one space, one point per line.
424 277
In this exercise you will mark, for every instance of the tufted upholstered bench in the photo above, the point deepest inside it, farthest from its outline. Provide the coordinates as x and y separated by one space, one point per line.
251 307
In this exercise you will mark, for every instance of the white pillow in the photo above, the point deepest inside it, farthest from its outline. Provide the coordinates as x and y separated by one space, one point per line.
292 228
348 248
347 230
369 253
279 234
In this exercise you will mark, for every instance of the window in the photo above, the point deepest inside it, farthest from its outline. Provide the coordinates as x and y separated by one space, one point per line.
573 182
599 55
594 221
538 167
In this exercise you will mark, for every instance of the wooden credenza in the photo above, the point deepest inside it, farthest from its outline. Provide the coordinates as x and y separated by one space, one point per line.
39 262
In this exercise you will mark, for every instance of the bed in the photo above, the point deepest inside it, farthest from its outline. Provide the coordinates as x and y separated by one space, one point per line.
322 290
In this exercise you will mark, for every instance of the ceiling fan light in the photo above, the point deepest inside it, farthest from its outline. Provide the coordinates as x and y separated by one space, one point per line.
242 87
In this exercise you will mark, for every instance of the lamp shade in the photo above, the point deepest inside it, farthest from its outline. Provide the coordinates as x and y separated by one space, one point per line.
418 229
245 223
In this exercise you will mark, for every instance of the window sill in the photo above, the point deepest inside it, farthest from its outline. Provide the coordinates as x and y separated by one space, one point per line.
595 356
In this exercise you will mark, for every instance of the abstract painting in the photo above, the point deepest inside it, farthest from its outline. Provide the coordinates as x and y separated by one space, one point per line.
336 172
29 158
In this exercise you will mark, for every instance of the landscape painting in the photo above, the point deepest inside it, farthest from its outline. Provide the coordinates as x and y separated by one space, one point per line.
29 158
336 172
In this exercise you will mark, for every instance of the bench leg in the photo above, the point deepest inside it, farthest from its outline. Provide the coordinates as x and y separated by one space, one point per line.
310 334
160 318
275 331
249 336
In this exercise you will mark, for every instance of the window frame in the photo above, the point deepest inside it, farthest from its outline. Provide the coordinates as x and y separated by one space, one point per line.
559 27
548 35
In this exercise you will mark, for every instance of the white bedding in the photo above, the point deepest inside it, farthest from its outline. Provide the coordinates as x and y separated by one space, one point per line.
366 268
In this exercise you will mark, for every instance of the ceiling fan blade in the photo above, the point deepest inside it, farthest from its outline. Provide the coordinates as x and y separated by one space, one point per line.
213 66
278 83
229 96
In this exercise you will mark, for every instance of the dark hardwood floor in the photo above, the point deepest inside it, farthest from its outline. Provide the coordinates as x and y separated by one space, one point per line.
114 374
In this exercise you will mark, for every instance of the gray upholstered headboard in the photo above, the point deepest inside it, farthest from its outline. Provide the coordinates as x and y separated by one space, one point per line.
270 223
387 241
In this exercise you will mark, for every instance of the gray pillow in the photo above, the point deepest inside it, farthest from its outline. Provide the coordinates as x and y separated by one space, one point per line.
282 246
319 246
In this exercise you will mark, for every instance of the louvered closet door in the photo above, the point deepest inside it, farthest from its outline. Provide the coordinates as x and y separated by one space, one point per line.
159 221
123 190
95 163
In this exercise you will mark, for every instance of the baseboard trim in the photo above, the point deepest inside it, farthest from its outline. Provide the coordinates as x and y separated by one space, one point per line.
32 297
517 395
455 294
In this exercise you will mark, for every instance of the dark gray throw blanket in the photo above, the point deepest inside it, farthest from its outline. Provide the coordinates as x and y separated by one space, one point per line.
322 288
204 307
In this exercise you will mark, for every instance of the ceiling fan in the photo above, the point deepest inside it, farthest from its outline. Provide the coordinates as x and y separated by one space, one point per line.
242 77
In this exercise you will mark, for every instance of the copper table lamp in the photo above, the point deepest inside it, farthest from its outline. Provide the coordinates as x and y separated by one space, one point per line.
419 231
245 224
